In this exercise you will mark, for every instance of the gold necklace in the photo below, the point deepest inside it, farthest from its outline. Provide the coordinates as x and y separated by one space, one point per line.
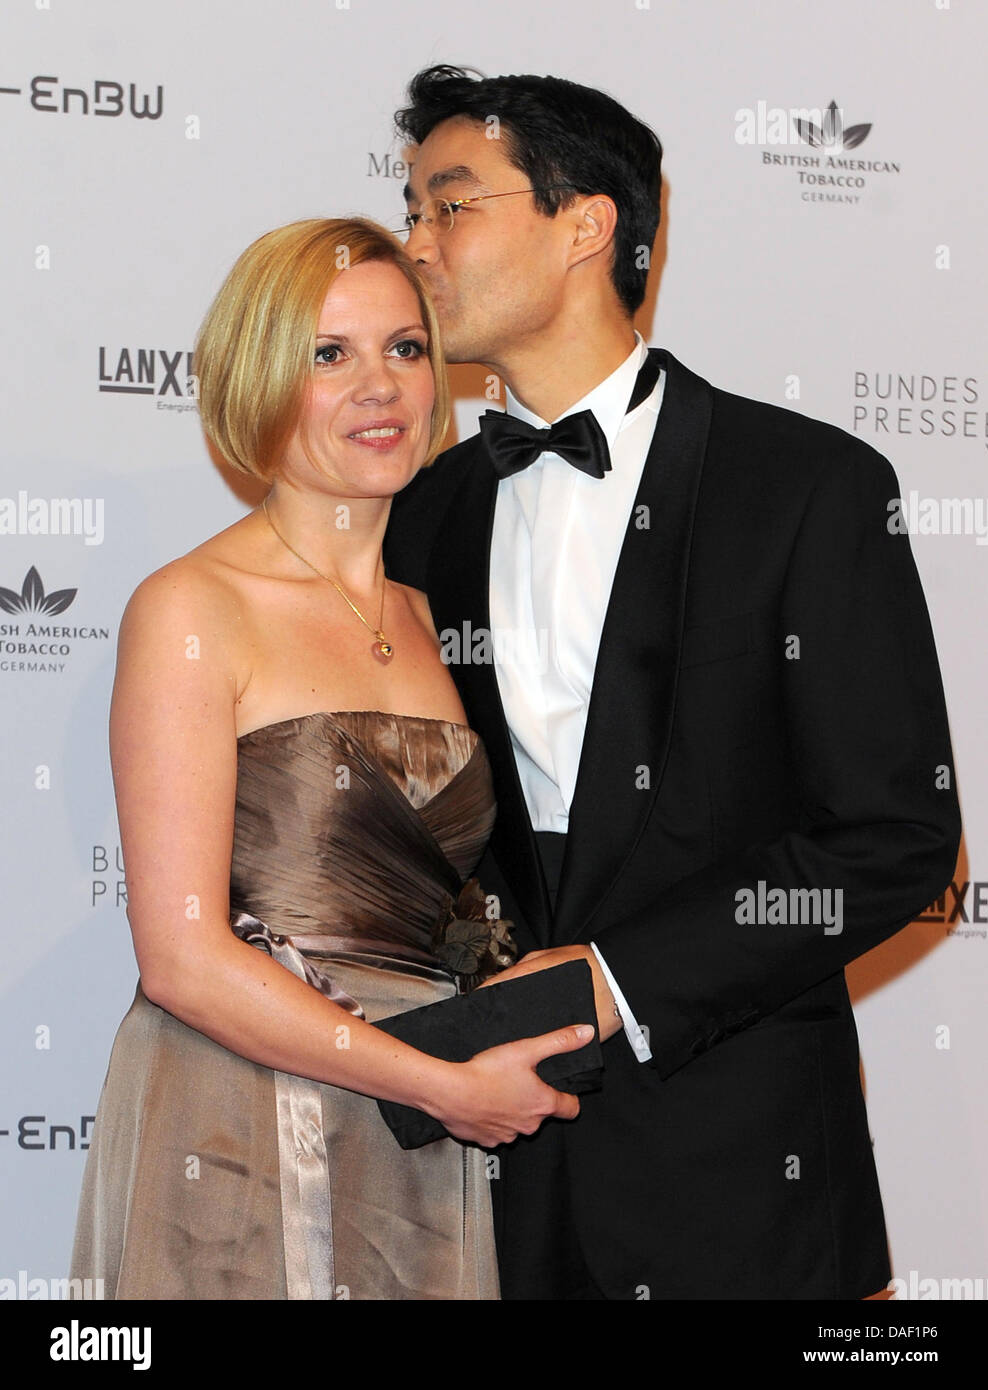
381 648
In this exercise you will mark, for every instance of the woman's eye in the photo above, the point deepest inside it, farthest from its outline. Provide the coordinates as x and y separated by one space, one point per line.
328 348
409 348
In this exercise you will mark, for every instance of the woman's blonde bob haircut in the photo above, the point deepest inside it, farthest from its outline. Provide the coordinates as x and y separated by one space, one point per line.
255 351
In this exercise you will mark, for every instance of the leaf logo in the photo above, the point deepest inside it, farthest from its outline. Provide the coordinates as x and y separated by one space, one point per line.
32 597
831 133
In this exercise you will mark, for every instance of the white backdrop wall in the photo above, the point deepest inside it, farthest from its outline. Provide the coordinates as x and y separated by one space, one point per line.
147 142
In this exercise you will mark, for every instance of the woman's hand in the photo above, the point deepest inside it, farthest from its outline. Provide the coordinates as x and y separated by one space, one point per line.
173 746
497 1095
608 1018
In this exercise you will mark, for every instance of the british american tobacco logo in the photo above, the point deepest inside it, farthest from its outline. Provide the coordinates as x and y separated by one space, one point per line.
829 174
830 133
33 599
32 646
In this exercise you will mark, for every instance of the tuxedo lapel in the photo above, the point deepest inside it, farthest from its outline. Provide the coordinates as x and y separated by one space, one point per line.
629 719
459 596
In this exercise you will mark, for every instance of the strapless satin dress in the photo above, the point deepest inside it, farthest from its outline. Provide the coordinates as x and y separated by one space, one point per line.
211 1177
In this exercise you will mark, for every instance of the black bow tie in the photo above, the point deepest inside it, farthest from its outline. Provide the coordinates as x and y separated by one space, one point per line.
513 445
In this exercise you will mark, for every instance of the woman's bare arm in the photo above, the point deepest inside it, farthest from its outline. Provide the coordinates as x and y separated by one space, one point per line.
174 754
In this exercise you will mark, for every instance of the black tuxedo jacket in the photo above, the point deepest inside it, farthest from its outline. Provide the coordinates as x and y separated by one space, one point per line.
766 710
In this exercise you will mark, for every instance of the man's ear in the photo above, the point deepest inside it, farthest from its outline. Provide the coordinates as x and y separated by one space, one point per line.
594 221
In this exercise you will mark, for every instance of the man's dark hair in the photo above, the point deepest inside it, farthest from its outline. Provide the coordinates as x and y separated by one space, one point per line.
555 132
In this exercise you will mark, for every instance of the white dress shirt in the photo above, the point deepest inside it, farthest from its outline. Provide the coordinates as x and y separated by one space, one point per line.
555 546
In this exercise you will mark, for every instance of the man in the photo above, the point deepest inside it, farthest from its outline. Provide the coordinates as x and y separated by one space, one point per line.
714 717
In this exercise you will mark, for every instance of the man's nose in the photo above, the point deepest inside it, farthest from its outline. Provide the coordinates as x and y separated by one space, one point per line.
422 245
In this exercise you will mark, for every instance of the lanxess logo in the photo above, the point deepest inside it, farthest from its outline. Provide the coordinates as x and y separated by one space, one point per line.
149 371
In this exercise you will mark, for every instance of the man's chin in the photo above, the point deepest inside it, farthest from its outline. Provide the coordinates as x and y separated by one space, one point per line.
462 348
457 353
458 347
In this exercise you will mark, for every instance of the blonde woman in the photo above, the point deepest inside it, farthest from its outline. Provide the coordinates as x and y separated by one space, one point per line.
300 802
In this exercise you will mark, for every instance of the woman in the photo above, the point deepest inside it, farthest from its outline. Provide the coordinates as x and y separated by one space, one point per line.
299 802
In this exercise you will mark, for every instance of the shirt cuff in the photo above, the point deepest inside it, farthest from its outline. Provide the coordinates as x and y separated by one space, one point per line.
634 1034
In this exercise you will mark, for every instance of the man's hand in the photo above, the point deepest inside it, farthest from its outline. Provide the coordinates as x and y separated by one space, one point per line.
608 1018
497 1095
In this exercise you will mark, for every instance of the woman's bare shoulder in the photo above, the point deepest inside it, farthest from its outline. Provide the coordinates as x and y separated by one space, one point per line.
192 585
190 610
180 661
208 581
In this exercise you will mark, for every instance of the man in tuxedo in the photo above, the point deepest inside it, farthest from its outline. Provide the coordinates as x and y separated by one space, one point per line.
714 716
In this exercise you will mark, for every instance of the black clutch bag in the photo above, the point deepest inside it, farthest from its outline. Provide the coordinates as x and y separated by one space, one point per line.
457 1029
